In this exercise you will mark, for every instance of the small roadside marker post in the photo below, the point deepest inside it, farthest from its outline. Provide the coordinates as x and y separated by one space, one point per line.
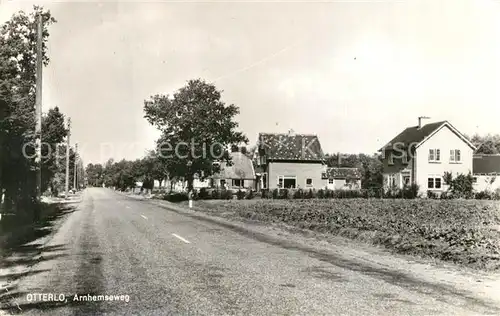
190 197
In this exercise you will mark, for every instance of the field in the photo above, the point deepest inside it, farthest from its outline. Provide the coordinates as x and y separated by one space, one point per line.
460 231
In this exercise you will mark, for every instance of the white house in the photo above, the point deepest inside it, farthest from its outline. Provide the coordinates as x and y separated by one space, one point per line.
486 171
422 154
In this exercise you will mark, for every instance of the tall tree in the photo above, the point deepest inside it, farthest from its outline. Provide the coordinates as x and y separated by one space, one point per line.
197 129
54 132
17 100
486 144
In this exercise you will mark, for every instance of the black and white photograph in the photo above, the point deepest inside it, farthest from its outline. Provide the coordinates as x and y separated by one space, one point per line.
250 157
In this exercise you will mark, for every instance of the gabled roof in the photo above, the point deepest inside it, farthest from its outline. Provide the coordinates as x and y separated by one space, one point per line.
241 168
414 136
300 147
343 173
486 164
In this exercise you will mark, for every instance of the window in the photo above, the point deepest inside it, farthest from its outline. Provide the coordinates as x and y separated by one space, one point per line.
455 155
434 155
434 183
238 183
330 181
406 180
391 180
223 183
287 182
474 180
309 182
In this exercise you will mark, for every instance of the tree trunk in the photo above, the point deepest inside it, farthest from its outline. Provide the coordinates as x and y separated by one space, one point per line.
190 180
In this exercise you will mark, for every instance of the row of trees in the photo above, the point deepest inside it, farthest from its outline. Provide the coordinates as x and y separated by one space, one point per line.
125 173
17 117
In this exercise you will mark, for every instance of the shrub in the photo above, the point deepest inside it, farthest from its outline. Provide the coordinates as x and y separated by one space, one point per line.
250 195
410 192
176 197
321 194
496 195
446 195
215 194
298 194
431 194
393 194
203 194
310 194
226 195
328 194
484 195
265 194
275 194
283 194
462 186
240 194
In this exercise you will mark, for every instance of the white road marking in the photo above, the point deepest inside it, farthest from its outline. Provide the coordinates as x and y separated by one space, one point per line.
126 206
179 237
144 216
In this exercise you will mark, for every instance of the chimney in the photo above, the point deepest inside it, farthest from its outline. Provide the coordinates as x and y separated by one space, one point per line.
420 118
291 132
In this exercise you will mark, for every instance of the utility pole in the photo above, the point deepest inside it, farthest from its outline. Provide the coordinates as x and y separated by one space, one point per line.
75 167
38 104
67 157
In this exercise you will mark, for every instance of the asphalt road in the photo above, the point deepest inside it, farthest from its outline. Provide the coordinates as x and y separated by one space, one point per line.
172 264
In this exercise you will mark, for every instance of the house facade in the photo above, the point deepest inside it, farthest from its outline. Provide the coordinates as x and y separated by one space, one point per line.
343 178
486 172
240 175
290 161
422 154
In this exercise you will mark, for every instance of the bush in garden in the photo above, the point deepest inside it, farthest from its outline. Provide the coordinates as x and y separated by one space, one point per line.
410 192
265 194
215 194
310 194
321 194
446 195
283 194
240 194
226 194
328 194
250 195
462 186
496 194
484 195
176 197
298 194
432 194
393 194
203 194
275 194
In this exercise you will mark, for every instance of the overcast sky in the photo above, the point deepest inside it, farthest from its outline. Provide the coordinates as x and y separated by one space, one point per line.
354 73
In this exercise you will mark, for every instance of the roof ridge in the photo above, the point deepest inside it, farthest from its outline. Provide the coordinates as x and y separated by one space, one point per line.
293 134
433 123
